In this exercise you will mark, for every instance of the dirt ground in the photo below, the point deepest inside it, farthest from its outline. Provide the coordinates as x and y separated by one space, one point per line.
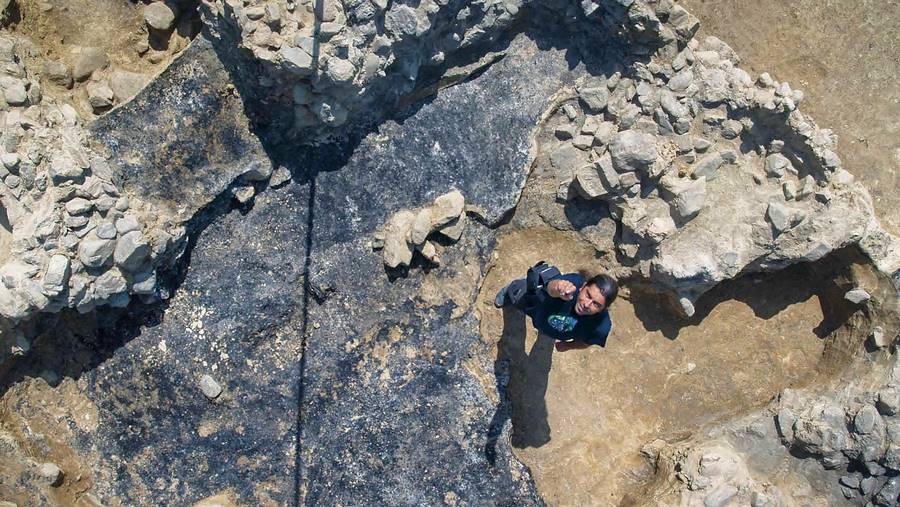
580 417
845 56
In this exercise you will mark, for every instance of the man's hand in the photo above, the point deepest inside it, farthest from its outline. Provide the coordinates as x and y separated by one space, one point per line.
562 289
564 346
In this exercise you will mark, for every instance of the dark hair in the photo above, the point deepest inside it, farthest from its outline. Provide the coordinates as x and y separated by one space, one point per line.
608 287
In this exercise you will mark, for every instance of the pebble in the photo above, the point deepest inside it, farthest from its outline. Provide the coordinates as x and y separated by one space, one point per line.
210 388
857 296
243 194
878 338
51 473
280 176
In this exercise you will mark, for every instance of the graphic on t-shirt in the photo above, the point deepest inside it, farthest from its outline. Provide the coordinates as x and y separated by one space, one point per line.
562 323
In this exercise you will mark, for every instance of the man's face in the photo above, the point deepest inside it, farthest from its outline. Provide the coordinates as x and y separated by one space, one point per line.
590 300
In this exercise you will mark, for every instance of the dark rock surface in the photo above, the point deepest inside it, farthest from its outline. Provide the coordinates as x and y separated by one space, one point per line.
282 303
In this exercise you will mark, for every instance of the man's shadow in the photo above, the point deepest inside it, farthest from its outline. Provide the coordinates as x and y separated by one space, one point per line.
522 384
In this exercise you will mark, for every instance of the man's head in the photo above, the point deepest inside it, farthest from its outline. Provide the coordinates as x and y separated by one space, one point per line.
596 295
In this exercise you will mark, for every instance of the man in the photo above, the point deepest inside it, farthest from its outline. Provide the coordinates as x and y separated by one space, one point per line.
570 308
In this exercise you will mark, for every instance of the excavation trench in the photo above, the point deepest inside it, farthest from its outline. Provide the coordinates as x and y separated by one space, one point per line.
579 418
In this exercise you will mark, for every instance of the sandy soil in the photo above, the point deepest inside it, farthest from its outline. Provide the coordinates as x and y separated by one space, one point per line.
845 55
580 417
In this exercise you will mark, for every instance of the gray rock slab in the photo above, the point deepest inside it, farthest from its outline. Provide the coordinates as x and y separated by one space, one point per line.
212 149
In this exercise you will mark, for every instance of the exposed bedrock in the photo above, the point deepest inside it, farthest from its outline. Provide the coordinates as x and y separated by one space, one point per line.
289 365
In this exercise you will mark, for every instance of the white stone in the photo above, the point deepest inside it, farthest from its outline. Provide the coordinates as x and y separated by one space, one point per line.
210 388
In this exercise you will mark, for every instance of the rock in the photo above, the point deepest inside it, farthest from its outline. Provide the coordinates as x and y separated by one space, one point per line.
867 485
131 251
144 283
878 339
51 473
159 16
606 132
686 196
58 73
257 171
421 227
243 193
109 285
633 151
583 142
127 223
78 206
681 81
106 230
889 493
126 85
671 105
10 161
14 91
446 208
429 251
731 129
296 60
100 95
95 252
280 176
865 420
857 296
594 98
776 164
87 61
780 216
397 250
56 278
210 388
590 185
454 229
340 70
707 166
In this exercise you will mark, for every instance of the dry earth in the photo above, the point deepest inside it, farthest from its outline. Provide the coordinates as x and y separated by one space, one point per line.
580 417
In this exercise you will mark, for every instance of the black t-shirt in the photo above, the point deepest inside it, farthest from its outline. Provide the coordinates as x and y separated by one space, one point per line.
557 318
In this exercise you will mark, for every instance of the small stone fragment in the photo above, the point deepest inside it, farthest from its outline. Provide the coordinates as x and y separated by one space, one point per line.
51 473
447 207
707 166
878 338
594 99
58 73
56 277
857 296
280 176
776 165
100 95
454 229
95 252
243 194
210 388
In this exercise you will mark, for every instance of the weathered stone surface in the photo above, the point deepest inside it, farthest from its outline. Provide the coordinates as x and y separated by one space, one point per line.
56 278
131 251
159 16
95 252
88 60
633 151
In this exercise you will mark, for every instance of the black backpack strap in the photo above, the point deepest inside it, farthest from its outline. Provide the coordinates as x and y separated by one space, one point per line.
539 275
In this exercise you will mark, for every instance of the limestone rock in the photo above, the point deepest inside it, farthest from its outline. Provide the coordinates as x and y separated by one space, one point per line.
88 60
159 16
131 251
857 296
95 252
633 151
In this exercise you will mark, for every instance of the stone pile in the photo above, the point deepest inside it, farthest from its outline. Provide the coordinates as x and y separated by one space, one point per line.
348 57
693 158
713 474
72 239
858 437
408 231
